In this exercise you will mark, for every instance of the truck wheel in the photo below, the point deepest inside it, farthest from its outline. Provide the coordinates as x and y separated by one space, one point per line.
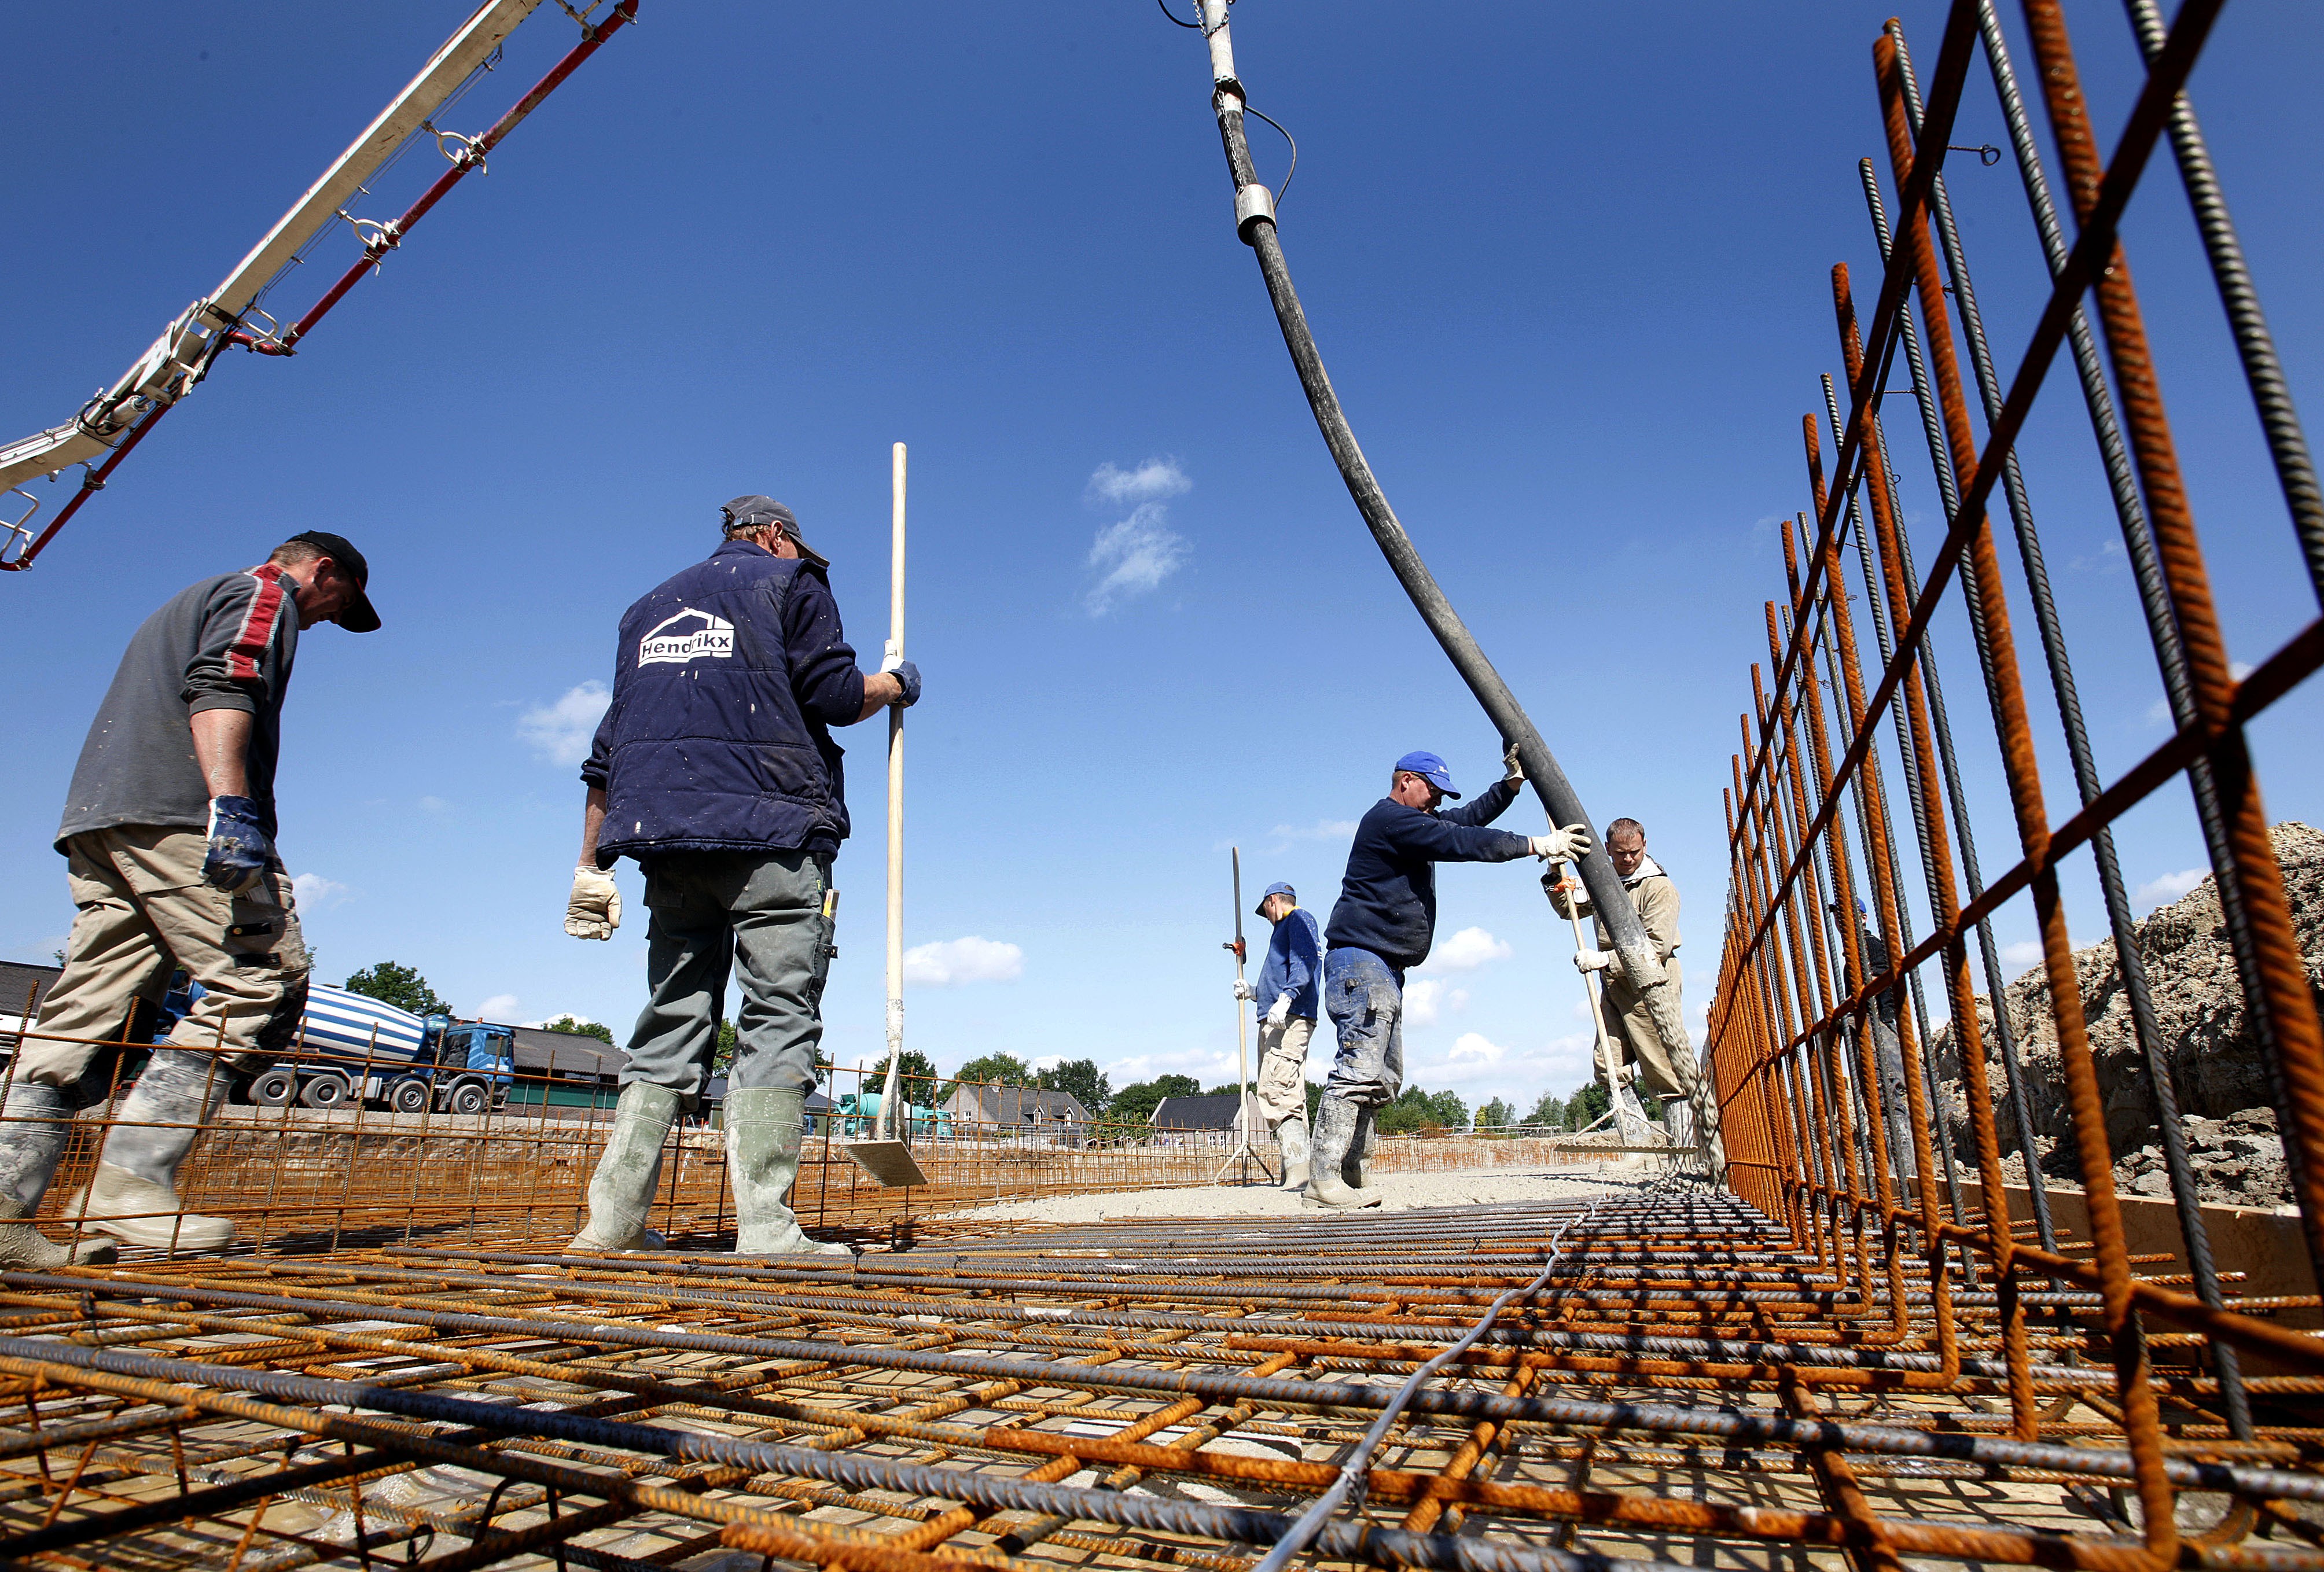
469 1097
275 1089
408 1095
326 1091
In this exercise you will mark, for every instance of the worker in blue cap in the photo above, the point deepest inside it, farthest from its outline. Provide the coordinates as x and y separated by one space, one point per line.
1286 991
1383 926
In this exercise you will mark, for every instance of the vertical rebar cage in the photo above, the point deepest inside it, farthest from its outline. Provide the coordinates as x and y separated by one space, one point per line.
1874 1098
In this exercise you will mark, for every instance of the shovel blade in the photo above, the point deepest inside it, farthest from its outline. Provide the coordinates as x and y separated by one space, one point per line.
890 1163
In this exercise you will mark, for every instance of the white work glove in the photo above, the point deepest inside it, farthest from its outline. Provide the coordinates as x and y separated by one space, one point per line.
1243 990
1596 961
1563 845
1512 769
1281 1012
595 909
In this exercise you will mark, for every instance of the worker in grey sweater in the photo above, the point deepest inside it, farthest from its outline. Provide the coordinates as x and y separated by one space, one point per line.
168 835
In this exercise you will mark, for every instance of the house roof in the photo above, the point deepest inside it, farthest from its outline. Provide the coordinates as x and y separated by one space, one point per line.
23 985
1015 1104
1204 1113
576 1055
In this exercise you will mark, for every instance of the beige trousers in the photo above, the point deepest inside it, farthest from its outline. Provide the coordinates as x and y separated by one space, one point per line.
1629 1021
144 910
1283 1069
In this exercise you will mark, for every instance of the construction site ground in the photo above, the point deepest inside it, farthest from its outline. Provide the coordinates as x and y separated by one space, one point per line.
1258 1199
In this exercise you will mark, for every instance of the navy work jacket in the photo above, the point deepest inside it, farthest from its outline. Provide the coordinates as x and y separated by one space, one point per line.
726 683
1388 899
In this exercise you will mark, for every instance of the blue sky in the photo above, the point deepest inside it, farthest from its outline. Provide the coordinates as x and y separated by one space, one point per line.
1568 269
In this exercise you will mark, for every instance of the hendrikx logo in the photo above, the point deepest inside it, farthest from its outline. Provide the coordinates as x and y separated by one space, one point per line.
712 636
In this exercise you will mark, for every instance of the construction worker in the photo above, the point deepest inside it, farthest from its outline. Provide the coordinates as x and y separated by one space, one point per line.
1628 1020
1287 986
1382 927
169 835
714 767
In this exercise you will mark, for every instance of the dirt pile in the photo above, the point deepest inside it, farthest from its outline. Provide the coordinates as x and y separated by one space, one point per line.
2216 1069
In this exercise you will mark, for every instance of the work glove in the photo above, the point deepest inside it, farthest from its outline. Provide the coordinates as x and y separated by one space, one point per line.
595 909
908 677
1596 961
240 848
1281 1010
1563 845
1243 990
1512 768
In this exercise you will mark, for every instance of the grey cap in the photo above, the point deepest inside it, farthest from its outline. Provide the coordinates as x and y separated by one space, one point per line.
755 512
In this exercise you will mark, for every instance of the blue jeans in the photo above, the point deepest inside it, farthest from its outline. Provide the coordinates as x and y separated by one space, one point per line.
1365 998
763 914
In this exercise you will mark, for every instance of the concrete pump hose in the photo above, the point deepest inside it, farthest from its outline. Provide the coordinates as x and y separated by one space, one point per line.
1640 965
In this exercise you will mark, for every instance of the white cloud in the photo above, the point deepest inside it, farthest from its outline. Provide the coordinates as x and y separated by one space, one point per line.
1321 829
2240 670
1426 997
957 960
311 889
1133 557
560 733
2025 953
1468 950
499 1007
1151 482
1476 1045
2170 887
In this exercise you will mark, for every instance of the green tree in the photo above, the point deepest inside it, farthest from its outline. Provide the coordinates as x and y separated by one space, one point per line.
1549 1110
392 983
1415 1109
1083 1079
1004 1068
574 1026
1135 1104
1590 1101
1495 1114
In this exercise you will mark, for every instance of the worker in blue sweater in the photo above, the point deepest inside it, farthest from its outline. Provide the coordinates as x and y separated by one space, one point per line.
1286 990
1382 928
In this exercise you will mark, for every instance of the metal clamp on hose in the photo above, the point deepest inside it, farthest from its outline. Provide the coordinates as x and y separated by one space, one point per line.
1252 203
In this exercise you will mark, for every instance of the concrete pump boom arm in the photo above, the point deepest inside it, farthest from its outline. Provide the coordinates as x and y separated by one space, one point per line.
113 422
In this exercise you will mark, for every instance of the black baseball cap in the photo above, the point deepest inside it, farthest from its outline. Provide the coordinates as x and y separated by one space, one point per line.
754 511
359 617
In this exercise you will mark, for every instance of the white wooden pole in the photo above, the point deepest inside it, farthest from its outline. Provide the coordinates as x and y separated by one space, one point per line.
895 801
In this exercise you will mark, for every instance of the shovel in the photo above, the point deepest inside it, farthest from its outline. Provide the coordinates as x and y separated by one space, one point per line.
887 1155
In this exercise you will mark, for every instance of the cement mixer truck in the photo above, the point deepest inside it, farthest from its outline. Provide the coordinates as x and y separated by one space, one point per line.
352 1048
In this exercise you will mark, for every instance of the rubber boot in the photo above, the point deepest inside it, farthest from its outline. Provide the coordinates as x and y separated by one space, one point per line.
1356 1167
621 1189
1327 1186
134 1194
1678 1122
764 1128
1291 1137
33 1129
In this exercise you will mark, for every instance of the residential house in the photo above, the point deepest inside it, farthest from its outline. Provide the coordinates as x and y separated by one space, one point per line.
1047 1118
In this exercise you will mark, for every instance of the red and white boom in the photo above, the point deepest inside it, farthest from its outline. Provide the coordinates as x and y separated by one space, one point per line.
112 423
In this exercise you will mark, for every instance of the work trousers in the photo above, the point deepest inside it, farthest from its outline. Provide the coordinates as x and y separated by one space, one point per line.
1282 1069
142 911
1364 997
1631 1024
765 916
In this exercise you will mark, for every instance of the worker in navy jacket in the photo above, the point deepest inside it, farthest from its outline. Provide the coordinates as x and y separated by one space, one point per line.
1382 928
1286 991
714 767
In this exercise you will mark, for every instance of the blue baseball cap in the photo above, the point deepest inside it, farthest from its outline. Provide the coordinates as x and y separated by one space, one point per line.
1430 769
1278 889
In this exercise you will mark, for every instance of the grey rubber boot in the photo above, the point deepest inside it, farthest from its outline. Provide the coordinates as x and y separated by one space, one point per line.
764 1130
34 1126
1678 1122
1291 1135
134 1195
621 1189
1356 1167
1335 1127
